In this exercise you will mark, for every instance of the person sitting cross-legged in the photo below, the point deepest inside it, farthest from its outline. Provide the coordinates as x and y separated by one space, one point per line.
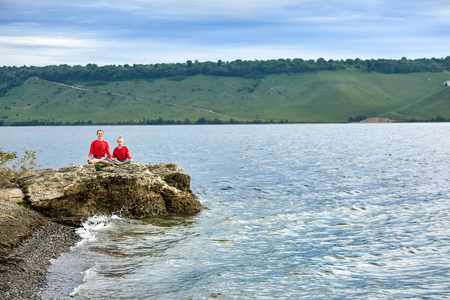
121 153
99 151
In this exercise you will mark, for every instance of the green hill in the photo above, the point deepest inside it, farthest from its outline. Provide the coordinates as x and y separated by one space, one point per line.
322 96
436 104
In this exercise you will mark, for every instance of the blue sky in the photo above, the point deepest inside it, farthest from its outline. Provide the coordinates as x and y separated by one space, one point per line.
53 32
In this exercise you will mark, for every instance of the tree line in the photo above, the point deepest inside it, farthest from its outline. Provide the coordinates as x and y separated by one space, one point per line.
159 121
12 76
187 121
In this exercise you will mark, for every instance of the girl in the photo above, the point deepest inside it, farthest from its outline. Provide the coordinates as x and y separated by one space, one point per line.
121 153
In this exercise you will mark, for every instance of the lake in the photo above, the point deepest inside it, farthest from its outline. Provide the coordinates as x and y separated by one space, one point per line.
307 211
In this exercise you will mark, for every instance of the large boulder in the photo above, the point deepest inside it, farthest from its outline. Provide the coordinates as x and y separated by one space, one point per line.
131 191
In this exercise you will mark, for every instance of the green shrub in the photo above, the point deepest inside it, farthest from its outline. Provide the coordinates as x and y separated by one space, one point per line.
21 167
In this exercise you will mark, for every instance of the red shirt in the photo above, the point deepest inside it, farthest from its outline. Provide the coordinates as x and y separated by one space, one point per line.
99 148
122 153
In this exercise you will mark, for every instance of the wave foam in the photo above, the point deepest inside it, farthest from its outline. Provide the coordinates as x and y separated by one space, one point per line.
92 225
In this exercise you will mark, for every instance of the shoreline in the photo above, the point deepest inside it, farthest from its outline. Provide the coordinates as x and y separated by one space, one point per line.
28 242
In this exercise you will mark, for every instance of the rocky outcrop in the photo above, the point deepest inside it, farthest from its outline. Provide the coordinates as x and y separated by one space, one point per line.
131 191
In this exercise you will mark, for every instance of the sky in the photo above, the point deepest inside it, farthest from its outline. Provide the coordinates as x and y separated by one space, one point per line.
118 32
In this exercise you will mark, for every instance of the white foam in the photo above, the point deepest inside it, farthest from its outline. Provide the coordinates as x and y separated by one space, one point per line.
86 275
90 227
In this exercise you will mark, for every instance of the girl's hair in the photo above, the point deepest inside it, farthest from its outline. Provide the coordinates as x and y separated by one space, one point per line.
120 138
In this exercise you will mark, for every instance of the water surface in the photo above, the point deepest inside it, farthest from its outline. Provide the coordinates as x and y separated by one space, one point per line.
346 211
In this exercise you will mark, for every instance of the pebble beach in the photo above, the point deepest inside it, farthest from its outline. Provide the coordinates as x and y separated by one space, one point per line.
28 242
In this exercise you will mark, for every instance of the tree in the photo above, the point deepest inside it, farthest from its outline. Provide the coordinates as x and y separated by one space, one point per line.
201 120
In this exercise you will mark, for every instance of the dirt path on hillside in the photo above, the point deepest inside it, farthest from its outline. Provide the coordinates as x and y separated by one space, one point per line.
202 109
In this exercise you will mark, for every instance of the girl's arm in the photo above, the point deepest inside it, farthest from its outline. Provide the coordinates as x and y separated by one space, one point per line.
127 153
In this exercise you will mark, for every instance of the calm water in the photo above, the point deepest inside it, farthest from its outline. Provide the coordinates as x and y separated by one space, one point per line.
291 212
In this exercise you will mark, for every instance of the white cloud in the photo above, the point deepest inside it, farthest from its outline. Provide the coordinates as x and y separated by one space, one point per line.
47 42
139 31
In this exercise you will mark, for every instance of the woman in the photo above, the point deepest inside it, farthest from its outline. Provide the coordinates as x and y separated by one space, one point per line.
99 152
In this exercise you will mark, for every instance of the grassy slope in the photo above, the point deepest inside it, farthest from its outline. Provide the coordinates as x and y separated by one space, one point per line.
325 96
436 104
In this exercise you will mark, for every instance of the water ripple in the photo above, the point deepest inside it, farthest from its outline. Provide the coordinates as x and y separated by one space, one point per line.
291 212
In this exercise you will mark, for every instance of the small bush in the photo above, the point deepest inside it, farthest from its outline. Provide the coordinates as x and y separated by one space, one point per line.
21 167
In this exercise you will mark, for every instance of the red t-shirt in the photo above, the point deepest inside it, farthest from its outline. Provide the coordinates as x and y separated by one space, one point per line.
99 148
122 153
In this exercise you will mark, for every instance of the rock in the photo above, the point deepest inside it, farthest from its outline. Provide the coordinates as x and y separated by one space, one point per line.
9 191
13 194
16 224
132 191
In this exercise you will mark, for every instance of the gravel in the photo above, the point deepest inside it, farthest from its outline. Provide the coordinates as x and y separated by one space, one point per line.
23 271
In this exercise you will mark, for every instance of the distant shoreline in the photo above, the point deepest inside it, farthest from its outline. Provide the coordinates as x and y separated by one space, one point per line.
374 120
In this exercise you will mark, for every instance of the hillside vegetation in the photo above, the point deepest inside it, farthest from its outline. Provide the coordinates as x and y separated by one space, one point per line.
337 94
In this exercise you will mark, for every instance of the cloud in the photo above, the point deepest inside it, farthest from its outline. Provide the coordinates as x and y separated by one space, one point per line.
48 42
143 31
